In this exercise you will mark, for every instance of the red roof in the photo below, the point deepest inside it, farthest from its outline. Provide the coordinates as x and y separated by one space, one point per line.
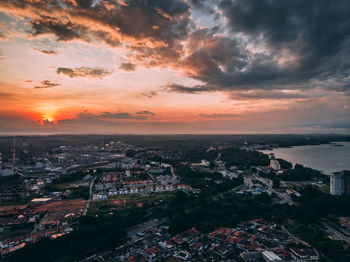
239 233
192 231
132 259
153 250
253 246
232 240
169 243
178 239
198 245
262 228
280 251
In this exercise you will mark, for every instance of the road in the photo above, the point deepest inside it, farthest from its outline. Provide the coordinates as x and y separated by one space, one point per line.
90 197
247 183
335 232
284 197
173 172
132 232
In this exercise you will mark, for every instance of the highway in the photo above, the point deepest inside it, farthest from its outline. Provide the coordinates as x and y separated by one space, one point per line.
284 197
336 232
90 197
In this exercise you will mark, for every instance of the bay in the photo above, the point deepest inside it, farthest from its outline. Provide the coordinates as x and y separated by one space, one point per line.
327 158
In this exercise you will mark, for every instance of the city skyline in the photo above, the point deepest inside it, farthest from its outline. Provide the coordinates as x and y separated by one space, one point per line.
169 67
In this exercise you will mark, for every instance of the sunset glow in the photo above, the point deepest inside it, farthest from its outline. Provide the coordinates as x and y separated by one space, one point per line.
110 66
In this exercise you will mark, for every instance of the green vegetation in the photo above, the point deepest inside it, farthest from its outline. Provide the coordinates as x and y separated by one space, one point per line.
301 173
17 230
121 203
198 155
285 164
80 192
208 183
130 153
244 159
11 180
166 142
64 179
95 234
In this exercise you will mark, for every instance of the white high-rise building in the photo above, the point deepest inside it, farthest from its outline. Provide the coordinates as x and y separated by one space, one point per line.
337 184
274 164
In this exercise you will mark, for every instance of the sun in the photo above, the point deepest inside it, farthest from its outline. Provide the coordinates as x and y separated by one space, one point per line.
47 112
51 119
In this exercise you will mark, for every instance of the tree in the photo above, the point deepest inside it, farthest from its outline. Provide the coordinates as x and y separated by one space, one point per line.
276 182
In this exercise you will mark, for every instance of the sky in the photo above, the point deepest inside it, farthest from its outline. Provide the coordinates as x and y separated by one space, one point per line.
174 66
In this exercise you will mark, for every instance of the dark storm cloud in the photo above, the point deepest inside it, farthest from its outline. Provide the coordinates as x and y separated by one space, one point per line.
265 94
316 32
46 84
96 72
84 3
62 29
172 87
271 45
128 67
160 20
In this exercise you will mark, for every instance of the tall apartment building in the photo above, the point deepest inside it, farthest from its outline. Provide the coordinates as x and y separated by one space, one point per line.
340 183
346 182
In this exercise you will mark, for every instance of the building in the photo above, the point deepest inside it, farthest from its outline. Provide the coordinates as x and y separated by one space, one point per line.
345 222
40 201
205 163
304 254
274 164
340 183
346 175
251 256
269 256
336 184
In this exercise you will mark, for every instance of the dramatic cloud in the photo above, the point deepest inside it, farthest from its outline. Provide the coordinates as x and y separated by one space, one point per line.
150 94
145 112
104 118
271 44
46 52
46 84
123 115
303 40
172 87
6 95
219 116
127 67
187 60
96 72
263 94
3 37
